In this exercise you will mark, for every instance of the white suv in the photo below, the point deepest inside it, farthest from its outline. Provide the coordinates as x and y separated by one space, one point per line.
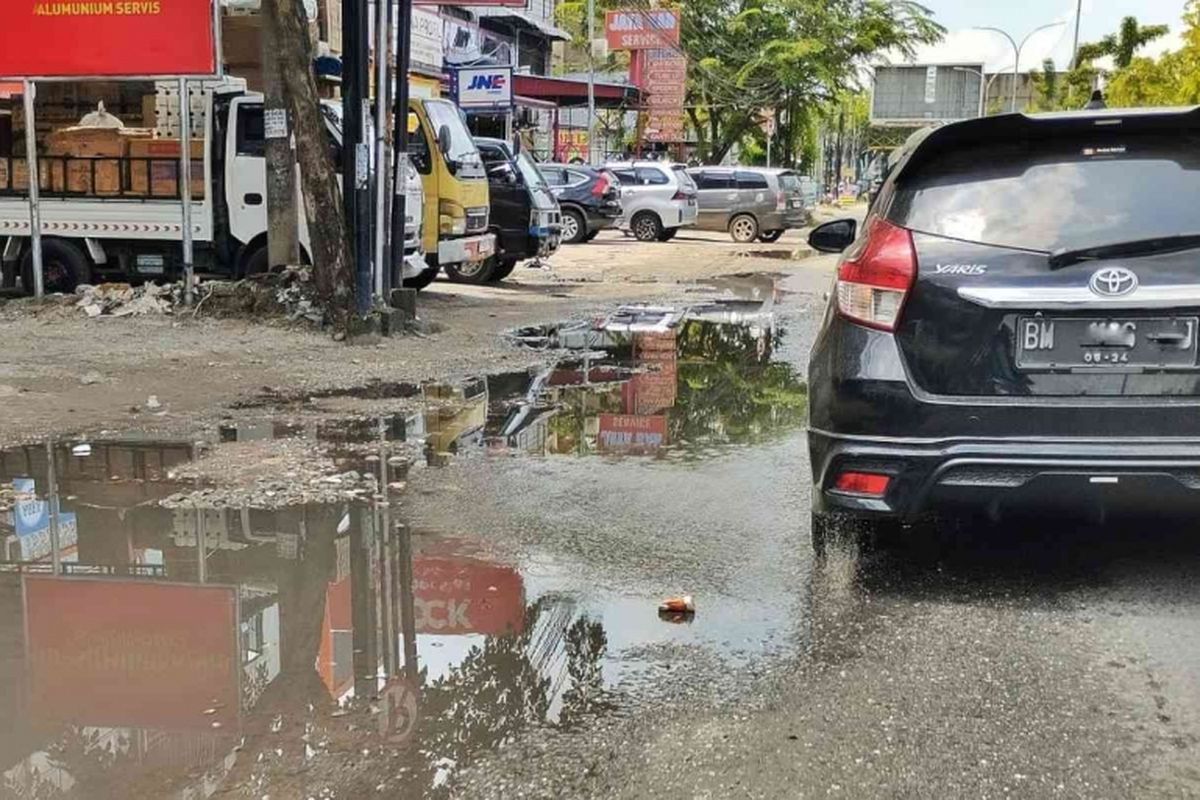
657 197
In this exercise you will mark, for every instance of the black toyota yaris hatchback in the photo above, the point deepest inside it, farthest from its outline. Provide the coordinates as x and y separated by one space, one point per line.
1015 325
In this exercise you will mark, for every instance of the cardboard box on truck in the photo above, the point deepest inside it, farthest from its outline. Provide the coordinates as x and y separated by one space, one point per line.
85 160
154 167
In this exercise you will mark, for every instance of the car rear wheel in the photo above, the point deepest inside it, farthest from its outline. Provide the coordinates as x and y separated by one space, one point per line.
476 272
743 228
64 266
646 226
424 279
503 269
770 236
574 228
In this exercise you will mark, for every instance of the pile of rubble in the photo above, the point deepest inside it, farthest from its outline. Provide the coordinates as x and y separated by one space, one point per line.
123 300
280 493
289 293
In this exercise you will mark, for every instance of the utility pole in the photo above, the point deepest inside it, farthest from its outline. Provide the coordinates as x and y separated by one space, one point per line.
356 152
591 32
1075 46
400 121
283 236
383 57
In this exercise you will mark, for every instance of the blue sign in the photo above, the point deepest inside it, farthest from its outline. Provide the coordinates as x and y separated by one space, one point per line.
484 87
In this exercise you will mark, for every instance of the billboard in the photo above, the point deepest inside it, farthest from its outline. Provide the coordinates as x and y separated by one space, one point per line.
914 94
666 79
635 29
484 87
631 433
119 653
108 38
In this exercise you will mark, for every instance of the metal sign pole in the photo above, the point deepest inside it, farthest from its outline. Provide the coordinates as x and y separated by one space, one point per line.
185 187
35 213
383 54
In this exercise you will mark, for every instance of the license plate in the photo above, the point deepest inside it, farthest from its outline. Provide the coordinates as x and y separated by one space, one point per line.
1106 343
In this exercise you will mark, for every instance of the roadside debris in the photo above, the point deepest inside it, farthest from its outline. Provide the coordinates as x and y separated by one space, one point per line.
123 300
678 605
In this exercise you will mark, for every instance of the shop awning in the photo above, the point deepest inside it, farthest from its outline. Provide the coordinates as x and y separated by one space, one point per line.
570 92
542 26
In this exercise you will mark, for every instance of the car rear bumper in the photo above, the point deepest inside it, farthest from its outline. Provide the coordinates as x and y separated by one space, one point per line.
1077 477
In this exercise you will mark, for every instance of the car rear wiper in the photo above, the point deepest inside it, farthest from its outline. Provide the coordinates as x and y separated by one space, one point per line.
1135 247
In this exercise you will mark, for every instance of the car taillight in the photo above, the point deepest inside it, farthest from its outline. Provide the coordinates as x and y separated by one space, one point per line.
780 201
870 484
680 195
874 278
600 186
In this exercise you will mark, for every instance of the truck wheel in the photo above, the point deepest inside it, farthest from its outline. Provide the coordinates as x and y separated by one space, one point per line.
743 228
770 236
423 280
574 228
503 269
646 226
64 266
471 272
255 263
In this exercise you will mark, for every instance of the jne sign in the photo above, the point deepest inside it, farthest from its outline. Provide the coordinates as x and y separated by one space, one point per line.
108 38
485 87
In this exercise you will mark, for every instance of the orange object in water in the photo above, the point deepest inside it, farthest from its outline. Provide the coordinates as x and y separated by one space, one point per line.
678 605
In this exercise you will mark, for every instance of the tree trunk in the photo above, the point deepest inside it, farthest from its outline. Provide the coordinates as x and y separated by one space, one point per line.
332 265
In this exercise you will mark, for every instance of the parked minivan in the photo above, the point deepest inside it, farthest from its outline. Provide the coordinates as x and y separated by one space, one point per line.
524 214
749 203
657 197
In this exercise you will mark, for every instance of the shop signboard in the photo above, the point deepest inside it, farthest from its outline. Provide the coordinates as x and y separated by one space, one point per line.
484 87
632 433
641 29
426 39
108 38
666 78
456 595
121 653
572 143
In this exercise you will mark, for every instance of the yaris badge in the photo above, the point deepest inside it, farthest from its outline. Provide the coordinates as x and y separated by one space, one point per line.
1113 282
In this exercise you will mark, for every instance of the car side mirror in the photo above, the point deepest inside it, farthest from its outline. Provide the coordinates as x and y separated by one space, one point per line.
444 139
501 173
833 237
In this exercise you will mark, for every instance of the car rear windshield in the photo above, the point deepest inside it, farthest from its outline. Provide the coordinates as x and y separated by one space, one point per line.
789 181
685 180
1056 193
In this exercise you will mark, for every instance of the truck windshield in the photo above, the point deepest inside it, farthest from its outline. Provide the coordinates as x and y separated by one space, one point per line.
462 146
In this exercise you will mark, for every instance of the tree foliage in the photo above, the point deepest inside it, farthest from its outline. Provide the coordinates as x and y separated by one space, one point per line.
1170 80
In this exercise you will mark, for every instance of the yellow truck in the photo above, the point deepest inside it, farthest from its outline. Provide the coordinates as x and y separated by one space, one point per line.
455 225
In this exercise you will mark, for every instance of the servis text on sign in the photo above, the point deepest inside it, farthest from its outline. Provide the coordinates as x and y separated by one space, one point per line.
107 38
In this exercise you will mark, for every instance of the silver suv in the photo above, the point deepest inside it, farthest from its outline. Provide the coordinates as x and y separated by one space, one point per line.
657 197
750 203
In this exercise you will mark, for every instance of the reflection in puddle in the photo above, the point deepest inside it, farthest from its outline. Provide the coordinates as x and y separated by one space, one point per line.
153 652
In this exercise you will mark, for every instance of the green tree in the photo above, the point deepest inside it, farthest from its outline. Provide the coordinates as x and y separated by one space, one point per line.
1172 79
1123 44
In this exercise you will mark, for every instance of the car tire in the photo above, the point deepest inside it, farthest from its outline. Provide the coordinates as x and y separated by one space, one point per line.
831 530
591 235
423 280
770 237
475 273
503 269
743 229
574 227
668 234
646 226
255 263
64 267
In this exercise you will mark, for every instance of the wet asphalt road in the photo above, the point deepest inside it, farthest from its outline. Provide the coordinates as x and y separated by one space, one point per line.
549 515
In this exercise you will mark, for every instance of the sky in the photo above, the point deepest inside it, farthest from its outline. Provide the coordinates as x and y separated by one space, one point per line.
1019 17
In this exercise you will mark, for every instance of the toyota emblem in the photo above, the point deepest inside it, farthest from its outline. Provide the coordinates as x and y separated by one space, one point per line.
1113 282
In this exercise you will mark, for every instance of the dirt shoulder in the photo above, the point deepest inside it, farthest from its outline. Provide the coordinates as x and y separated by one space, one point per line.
64 372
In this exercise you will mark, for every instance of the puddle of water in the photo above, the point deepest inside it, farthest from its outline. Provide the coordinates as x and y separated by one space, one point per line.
154 652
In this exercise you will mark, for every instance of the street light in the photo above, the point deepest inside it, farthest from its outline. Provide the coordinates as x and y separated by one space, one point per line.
985 84
1017 48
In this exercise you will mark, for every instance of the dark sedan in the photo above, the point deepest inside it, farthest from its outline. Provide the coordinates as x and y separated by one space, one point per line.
590 199
1015 327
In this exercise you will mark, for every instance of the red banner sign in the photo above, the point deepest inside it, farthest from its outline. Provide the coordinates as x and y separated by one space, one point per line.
641 30
666 79
463 595
132 653
107 38
629 433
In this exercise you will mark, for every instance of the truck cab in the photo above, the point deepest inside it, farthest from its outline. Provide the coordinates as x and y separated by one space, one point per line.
525 215
456 235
